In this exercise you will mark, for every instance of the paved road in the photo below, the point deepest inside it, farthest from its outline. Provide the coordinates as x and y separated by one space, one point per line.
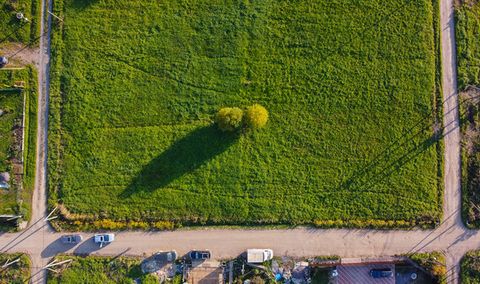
41 243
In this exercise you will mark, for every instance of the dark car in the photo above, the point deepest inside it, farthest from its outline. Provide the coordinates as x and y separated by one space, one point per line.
71 239
381 273
199 254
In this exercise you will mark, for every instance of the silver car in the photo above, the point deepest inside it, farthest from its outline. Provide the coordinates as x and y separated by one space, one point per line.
103 239
71 239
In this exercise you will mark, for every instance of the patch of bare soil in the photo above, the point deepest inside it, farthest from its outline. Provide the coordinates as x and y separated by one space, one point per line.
18 55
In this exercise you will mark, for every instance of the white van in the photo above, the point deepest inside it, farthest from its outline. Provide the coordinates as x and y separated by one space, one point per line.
259 255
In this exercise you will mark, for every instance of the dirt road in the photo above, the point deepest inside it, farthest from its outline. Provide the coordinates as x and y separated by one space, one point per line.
452 198
41 243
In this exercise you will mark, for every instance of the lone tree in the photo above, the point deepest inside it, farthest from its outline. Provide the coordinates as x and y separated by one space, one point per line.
229 118
256 116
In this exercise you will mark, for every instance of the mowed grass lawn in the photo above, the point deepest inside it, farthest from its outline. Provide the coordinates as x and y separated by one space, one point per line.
349 85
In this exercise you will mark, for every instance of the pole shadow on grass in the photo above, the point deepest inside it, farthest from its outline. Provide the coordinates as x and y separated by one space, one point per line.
184 156
400 152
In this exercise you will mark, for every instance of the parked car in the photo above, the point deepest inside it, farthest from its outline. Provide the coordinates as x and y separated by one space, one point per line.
103 239
259 255
199 255
381 273
71 239
157 261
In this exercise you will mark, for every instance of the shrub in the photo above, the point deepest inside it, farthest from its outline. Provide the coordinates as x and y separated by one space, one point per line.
163 225
229 118
439 270
256 116
137 225
257 279
433 262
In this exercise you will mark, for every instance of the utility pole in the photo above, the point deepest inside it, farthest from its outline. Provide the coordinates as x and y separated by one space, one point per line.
56 263
48 218
8 263
55 16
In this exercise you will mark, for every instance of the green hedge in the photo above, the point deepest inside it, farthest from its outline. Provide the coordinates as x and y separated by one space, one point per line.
17 273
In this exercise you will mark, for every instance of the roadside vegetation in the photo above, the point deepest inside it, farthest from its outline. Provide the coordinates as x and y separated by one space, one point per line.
434 264
470 268
96 269
15 30
18 96
468 62
17 273
351 94
468 47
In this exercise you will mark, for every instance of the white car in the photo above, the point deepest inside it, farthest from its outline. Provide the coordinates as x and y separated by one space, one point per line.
103 239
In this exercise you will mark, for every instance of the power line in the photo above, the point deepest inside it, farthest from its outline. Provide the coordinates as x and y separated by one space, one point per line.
9 35
32 41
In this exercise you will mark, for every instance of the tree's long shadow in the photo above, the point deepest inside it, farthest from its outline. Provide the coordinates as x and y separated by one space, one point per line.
184 156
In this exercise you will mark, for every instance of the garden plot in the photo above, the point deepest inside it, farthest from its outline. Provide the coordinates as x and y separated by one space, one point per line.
17 141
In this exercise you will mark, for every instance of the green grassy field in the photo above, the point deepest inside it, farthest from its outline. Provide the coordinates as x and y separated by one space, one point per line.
470 268
17 273
468 59
17 199
104 270
350 89
14 30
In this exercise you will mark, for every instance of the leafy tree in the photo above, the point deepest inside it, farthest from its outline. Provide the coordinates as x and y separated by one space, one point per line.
229 118
256 116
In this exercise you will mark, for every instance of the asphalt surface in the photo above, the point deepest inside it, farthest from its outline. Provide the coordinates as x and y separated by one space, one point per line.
42 243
